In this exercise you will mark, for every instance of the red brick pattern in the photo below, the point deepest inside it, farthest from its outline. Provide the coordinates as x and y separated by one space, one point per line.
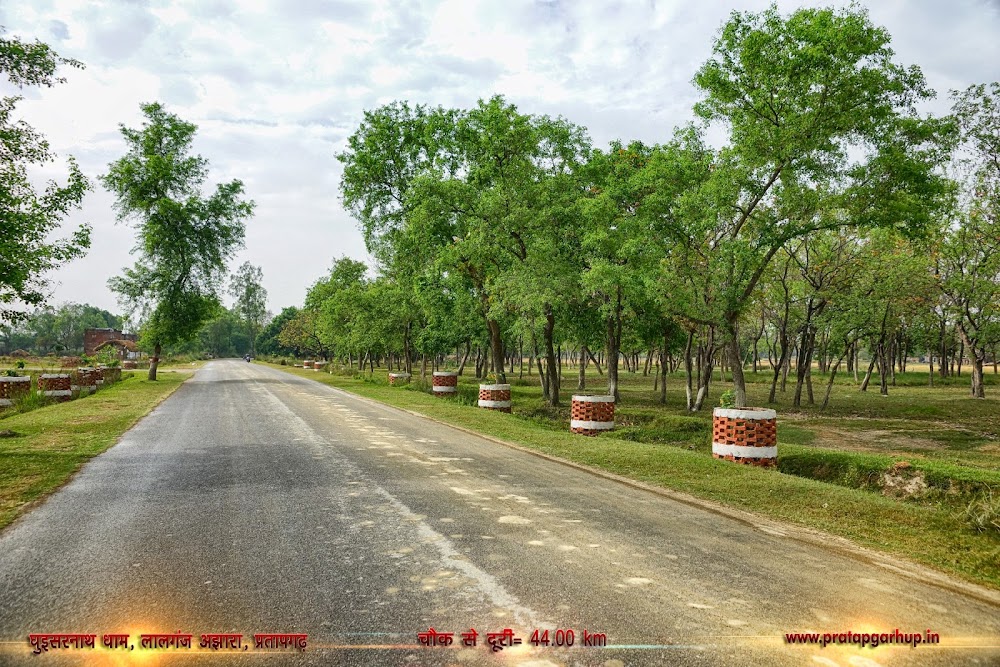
745 433
449 380
86 377
445 380
494 395
591 411
94 338
398 378
58 382
307 364
11 388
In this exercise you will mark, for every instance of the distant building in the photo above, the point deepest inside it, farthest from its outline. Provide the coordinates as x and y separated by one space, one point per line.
94 338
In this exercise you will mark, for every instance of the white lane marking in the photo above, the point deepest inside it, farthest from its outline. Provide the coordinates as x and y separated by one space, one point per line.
514 519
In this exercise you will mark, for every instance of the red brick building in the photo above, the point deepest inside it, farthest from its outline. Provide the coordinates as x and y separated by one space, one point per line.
94 338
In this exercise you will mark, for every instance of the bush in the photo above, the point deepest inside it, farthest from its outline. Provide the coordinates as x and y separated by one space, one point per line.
983 513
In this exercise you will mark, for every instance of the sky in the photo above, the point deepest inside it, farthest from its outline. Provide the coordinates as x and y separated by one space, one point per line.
276 88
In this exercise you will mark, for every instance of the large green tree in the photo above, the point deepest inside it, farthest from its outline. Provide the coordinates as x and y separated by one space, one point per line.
822 135
28 217
970 254
184 239
247 288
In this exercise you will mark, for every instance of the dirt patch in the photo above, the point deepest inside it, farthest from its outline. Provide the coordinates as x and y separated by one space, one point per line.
903 481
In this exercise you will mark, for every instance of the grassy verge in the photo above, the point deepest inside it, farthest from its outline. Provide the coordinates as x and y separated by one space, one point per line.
52 442
932 531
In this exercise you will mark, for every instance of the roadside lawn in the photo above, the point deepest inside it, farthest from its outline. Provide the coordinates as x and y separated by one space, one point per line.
932 530
49 444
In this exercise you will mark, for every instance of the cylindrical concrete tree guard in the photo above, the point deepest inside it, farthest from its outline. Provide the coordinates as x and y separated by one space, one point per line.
398 378
13 387
445 383
591 415
745 435
495 397
86 378
55 385
307 363
318 365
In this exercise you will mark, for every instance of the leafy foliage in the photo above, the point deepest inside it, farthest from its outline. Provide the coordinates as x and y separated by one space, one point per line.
29 217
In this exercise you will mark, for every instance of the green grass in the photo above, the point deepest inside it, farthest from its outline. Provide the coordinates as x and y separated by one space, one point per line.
830 489
52 442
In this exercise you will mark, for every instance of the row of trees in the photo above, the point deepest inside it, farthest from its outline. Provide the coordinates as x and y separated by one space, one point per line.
227 333
835 219
55 330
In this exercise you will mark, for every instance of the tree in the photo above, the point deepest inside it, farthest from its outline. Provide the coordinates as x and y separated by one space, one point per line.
29 217
823 135
461 190
251 300
970 254
184 240
267 339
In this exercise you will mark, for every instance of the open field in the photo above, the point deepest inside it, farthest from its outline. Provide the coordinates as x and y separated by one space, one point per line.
852 444
50 443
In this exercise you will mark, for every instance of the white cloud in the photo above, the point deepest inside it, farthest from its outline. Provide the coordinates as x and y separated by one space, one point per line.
276 87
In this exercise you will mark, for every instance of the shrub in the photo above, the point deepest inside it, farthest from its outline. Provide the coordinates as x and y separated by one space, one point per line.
983 513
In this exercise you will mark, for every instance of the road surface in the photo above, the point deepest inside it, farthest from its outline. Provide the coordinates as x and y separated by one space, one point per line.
255 501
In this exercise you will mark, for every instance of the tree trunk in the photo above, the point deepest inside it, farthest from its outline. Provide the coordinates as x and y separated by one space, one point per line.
688 371
581 382
868 375
829 382
465 359
597 364
614 342
154 363
777 373
739 381
541 371
552 376
496 347
663 369
705 370
978 391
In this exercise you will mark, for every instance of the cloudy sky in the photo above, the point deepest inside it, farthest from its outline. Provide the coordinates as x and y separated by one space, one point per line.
276 87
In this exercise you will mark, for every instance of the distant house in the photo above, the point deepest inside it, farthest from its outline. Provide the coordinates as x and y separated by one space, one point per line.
95 338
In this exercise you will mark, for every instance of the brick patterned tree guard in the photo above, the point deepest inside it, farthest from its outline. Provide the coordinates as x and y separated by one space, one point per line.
445 383
99 376
495 397
396 379
55 385
129 365
86 378
318 365
307 363
12 388
591 415
745 435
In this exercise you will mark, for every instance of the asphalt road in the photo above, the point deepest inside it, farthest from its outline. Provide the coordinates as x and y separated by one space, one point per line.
254 501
